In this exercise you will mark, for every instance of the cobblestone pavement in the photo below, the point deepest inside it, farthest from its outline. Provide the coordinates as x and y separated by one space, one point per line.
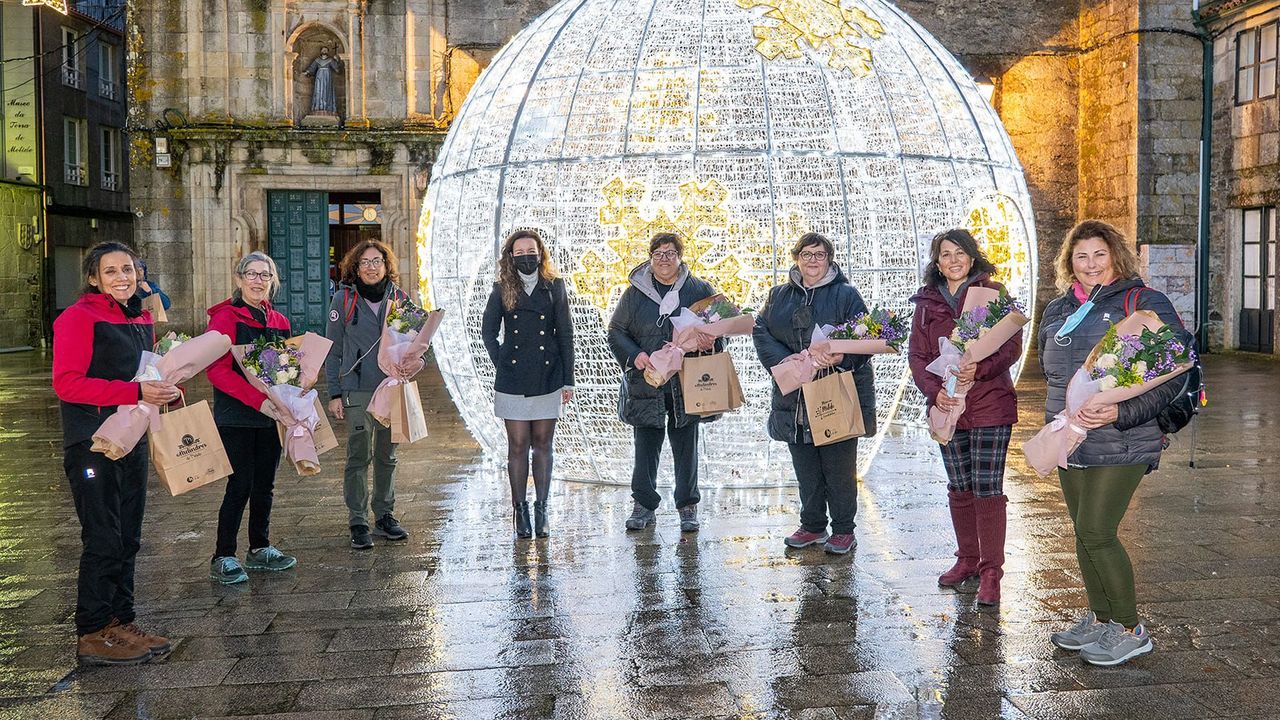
462 621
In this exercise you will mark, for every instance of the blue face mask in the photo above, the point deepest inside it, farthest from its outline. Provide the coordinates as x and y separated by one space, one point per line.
1073 321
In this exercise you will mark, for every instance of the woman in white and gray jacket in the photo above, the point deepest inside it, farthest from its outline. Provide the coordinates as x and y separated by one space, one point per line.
357 314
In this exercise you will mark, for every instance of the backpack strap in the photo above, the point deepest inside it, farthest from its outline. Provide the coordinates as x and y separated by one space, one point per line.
1131 300
349 302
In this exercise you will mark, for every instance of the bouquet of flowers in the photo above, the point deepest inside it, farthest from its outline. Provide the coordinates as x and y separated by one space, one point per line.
285 370
877 331
170 341
176 358
712 317
1135 355
990 319
405 339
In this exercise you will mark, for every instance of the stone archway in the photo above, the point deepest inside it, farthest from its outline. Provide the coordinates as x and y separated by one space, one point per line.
319 48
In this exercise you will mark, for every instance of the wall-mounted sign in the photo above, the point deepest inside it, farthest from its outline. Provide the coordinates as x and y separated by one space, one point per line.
19 133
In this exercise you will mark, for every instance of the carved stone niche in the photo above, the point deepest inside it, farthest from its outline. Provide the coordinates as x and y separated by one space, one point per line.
318 59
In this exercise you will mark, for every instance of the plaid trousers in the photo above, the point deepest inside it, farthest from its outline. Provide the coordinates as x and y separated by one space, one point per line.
974 460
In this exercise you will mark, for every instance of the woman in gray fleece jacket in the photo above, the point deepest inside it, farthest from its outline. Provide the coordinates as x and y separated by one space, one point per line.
357 313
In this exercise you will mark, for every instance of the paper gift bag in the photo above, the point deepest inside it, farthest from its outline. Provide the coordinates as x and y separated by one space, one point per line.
831 405
186 449
152 304
324 436
710 384
408 422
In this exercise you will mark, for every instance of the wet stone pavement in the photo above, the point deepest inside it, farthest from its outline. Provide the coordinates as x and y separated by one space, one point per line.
463 622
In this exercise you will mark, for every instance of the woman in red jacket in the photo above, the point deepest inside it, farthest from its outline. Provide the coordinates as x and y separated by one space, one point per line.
97 344
246 421
975 457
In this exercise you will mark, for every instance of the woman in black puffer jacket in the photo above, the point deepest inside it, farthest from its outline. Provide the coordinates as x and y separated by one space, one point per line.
1098 274
816 293
639 326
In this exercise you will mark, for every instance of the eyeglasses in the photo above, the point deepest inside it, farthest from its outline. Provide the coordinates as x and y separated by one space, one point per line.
371 262
664 255
813 255
255 275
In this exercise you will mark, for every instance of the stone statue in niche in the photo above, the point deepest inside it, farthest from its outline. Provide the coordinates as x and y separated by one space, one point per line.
324 97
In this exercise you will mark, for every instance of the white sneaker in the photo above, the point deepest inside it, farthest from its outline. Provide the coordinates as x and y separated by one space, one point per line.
1117 646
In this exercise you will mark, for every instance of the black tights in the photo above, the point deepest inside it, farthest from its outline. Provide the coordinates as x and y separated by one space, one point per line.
521 435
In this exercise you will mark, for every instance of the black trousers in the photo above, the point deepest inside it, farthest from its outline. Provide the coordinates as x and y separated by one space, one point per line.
110 496
828 481
254 454
684 448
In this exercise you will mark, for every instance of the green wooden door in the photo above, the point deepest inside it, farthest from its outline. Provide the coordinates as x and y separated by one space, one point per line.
298 240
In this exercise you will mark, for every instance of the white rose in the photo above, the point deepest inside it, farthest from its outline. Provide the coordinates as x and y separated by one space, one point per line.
860 330
1106 361
1140 367
1108 382
282 377
293 373
983 332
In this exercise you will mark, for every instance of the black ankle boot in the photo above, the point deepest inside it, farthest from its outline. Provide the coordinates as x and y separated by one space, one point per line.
540 524
522 520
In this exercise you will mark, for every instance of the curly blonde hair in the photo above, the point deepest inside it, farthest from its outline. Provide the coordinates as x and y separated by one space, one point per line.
1124 261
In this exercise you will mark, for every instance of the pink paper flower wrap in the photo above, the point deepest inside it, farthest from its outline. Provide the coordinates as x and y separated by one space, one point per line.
400 359
942 425
119 435
296 403
1051 448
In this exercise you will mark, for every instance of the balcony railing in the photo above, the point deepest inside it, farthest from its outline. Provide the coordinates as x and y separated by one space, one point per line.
111 181
75 175
71 76
107 89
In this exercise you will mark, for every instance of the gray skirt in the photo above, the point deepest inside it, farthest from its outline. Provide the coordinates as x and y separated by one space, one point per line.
522 407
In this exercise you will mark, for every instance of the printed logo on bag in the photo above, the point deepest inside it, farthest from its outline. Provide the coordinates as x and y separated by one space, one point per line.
825 409
191 445
827 432
706 382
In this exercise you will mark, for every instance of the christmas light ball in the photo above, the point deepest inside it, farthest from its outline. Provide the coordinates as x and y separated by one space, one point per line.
740 125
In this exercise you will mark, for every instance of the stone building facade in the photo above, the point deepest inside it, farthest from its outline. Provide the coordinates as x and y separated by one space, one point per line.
1101 98
224 88
1244 172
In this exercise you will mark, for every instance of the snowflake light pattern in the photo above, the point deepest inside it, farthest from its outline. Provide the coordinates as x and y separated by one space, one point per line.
820 24
605 121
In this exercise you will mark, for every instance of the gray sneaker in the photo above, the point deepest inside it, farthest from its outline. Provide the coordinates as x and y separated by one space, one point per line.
640 518
1086 631
689 518
269 558
227 571
1117 646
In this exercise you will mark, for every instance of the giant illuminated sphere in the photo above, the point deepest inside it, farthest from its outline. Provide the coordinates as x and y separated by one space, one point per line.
740 125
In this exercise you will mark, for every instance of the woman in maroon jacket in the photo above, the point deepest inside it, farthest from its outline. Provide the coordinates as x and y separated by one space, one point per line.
97 344
975 457
246 421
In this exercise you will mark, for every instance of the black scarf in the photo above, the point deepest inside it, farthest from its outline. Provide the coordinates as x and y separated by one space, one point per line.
373 293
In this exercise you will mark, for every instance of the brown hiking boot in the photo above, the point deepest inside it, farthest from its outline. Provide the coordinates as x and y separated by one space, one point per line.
110 646
155 643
